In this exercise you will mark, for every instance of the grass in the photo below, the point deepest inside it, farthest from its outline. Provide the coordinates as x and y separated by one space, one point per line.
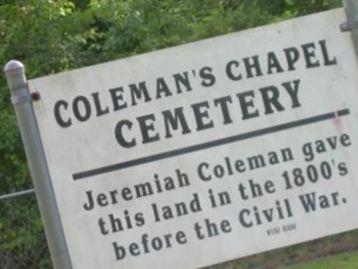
340 261
334 252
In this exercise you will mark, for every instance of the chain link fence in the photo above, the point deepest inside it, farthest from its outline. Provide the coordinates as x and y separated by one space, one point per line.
22 238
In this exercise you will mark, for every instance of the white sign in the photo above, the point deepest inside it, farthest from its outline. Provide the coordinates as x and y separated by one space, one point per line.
206 152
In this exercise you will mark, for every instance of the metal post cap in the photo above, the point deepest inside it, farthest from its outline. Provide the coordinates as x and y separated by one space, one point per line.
14 67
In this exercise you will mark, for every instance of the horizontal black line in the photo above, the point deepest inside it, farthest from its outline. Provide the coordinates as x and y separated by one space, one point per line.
343 112
211 144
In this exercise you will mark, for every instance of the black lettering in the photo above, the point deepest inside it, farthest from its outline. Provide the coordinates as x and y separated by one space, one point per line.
252 66
310 56
270 97
60 121
223 104
162 88
208 78
229 71
242 219
326 57
293 91
119 134
117 98
246 102
137 91
90 202
172 122
146 124
292 56
182 80
100 111
86 112
201 112
273 63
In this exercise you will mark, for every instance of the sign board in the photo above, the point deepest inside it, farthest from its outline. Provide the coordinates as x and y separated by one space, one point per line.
206 152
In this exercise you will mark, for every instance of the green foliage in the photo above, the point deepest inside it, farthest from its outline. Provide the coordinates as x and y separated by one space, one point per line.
50 36
346 261
303 7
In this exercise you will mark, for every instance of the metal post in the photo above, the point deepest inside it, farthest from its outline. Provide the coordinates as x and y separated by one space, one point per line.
21 99
351 7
